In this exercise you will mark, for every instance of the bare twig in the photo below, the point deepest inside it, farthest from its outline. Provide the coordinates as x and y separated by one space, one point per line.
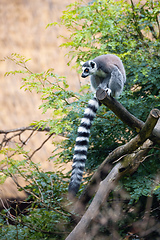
22 129
41 146
11 134
8 211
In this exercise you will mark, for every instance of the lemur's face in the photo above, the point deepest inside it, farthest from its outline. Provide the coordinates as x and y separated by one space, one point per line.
89 68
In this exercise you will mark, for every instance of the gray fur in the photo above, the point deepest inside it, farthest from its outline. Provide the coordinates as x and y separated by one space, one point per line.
107 72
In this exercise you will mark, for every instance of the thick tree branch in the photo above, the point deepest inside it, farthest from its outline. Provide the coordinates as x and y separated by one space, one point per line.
124 115
129 164
119 152
80 230
126 165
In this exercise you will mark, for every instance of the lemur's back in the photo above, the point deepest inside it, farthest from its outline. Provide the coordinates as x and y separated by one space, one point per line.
106 61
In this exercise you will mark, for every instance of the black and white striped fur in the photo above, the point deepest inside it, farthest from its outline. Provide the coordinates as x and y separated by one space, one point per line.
81 146
105 71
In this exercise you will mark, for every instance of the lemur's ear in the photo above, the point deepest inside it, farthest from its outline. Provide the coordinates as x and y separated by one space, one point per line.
92 64
81 63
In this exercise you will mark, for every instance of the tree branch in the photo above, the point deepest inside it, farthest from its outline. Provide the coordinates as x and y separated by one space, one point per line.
126 165
18 132
30 128
117 155
40 146
103 191
124 115
22 129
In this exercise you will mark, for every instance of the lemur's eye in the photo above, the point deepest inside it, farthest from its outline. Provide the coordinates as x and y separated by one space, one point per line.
86 70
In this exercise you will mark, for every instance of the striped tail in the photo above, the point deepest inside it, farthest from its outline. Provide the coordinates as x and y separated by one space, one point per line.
81 146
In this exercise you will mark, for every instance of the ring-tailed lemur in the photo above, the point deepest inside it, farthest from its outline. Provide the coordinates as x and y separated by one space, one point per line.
105 71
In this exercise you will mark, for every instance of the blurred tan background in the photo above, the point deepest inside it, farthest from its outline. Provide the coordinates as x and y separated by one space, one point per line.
23 31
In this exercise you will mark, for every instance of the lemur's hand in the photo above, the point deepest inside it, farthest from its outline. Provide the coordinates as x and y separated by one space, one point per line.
108 90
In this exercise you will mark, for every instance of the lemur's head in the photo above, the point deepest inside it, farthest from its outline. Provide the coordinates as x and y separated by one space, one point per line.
89 68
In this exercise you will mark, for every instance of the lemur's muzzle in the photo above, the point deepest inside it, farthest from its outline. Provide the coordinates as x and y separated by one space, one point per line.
84 75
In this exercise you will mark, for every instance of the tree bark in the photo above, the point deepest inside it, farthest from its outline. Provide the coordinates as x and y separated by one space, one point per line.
126 165
124 115
79 231
115 155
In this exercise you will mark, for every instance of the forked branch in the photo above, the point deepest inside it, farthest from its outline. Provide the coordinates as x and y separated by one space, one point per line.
123 150
126 165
